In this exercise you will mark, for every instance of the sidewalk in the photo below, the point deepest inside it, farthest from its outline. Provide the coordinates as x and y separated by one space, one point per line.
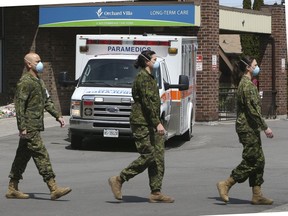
8 126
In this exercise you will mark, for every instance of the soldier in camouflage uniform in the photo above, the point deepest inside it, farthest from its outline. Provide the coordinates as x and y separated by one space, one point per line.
30 101
249 124
147 130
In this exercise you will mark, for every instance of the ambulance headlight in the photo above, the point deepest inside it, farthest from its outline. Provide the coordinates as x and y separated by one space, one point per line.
75 108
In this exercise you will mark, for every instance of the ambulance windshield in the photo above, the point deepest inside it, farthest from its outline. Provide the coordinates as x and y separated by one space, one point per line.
109 72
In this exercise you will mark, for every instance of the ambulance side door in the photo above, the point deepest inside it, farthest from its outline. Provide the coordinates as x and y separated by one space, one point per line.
166 94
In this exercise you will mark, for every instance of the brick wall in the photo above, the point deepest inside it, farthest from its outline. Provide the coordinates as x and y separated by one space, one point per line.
279 52
208 79
56 46
57 49
279 34
18 40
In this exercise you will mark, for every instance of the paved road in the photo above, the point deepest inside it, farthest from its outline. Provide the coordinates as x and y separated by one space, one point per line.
192 170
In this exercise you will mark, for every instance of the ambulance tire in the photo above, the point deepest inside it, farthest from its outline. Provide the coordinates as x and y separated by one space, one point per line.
76 141
188 134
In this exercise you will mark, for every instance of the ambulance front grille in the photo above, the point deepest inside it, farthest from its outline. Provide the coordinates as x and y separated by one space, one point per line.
112 111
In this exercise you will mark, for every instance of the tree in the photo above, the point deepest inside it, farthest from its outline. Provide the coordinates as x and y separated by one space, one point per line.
257 4
250 42
247 4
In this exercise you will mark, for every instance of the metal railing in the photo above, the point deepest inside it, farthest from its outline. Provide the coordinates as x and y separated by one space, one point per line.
227 103
268 106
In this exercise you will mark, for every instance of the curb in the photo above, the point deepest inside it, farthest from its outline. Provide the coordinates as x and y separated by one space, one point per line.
8 126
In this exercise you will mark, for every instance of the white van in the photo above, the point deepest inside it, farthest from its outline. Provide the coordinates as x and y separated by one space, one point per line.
101 102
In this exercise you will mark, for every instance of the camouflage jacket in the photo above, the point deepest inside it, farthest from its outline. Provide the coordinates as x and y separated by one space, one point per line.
146 106
30 101
249 116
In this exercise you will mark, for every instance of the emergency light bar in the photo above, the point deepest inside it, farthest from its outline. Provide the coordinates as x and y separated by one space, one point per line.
88 41
171 50
152 43
134 42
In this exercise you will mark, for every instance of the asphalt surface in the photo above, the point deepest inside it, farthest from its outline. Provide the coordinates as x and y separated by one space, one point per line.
192 170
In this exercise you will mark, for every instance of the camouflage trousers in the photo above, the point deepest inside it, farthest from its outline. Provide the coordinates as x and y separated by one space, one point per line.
150 146
32 146
253 160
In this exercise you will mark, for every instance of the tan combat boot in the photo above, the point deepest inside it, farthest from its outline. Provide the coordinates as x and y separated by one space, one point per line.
224 187
57 192
158 197
258 199
13 191
116 186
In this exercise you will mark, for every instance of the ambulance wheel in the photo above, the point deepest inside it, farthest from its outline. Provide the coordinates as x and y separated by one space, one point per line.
188 134
76 142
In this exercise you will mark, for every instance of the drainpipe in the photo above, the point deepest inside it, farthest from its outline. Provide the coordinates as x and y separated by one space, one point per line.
274 91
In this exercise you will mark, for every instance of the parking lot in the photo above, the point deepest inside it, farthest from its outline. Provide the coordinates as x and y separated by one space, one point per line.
192 170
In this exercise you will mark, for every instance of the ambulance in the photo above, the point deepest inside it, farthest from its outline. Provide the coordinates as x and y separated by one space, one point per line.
101 102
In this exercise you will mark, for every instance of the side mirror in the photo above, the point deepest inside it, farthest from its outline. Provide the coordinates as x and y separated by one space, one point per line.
166 86
182 85
183 82
63 81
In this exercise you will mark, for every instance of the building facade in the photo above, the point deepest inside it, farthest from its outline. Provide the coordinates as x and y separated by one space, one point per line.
56 45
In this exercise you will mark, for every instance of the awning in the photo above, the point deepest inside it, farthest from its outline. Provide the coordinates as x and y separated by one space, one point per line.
13 3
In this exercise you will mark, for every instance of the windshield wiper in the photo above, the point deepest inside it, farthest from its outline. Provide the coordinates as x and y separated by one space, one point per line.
125 83
95 82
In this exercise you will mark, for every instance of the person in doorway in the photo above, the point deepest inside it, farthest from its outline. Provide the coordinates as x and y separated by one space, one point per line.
30 101
147 130
249 124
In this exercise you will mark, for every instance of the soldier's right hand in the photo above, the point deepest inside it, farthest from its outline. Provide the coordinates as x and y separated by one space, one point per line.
160 129
269 133
22 134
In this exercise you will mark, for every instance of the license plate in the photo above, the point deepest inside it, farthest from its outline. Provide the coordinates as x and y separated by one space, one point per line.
111 133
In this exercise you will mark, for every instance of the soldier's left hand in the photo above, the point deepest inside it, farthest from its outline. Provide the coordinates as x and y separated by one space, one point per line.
61 121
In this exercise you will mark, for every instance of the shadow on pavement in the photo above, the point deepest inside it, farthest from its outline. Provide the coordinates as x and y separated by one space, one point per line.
231 201
43 196
118 145
130 199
